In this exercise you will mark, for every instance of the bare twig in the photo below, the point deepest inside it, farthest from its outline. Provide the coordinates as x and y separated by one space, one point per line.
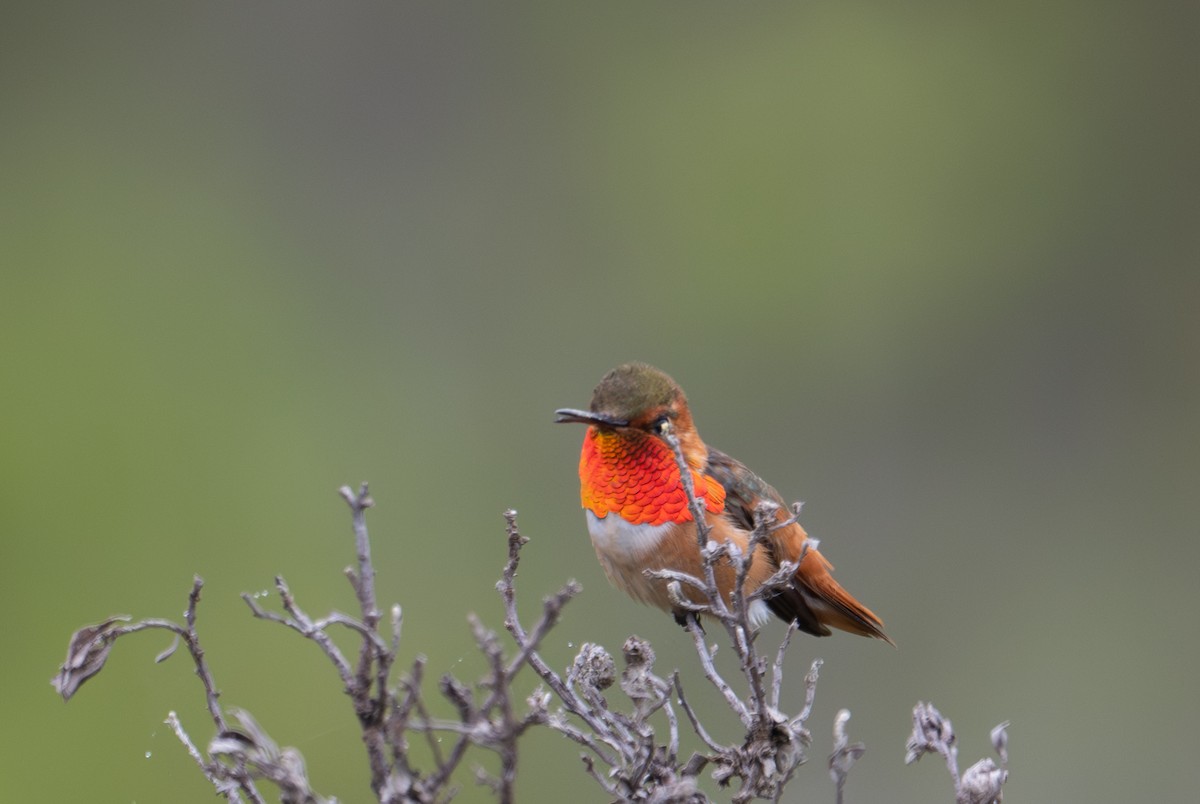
844 754
810 689
300 622
775 744
777 667
369 707
177 727
701 732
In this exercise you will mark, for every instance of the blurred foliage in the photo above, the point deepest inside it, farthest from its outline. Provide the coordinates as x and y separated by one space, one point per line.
931 267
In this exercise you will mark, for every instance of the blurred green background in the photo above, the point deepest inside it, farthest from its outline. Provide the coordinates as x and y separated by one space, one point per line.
930 267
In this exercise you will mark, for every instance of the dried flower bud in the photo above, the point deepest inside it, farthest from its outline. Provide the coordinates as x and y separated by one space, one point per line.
981 784
594 667
931 733
1000 741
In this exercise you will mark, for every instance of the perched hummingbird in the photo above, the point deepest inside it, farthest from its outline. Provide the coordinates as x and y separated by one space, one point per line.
638 515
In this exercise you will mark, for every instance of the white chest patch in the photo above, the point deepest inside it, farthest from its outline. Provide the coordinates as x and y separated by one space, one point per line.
624 548
621 540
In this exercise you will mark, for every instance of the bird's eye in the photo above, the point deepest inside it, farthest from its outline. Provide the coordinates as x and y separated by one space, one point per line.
662 425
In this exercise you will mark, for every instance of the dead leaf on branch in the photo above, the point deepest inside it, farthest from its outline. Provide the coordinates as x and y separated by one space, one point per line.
86 654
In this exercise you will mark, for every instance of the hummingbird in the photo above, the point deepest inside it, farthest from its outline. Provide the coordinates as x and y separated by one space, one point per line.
639 519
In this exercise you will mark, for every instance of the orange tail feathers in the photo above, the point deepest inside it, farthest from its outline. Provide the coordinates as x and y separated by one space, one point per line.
816 601
832 604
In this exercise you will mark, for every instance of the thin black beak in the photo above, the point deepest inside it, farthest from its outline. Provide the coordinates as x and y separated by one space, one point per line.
588 417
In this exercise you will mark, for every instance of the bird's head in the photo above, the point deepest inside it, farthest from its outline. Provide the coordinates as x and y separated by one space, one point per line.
635 400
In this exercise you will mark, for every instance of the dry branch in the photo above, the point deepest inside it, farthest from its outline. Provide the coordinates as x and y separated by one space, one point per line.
631 749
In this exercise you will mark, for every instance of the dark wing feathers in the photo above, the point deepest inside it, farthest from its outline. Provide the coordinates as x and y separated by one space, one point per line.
743 488
743 491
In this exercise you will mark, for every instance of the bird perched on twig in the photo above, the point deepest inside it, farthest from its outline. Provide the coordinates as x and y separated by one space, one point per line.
639 518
